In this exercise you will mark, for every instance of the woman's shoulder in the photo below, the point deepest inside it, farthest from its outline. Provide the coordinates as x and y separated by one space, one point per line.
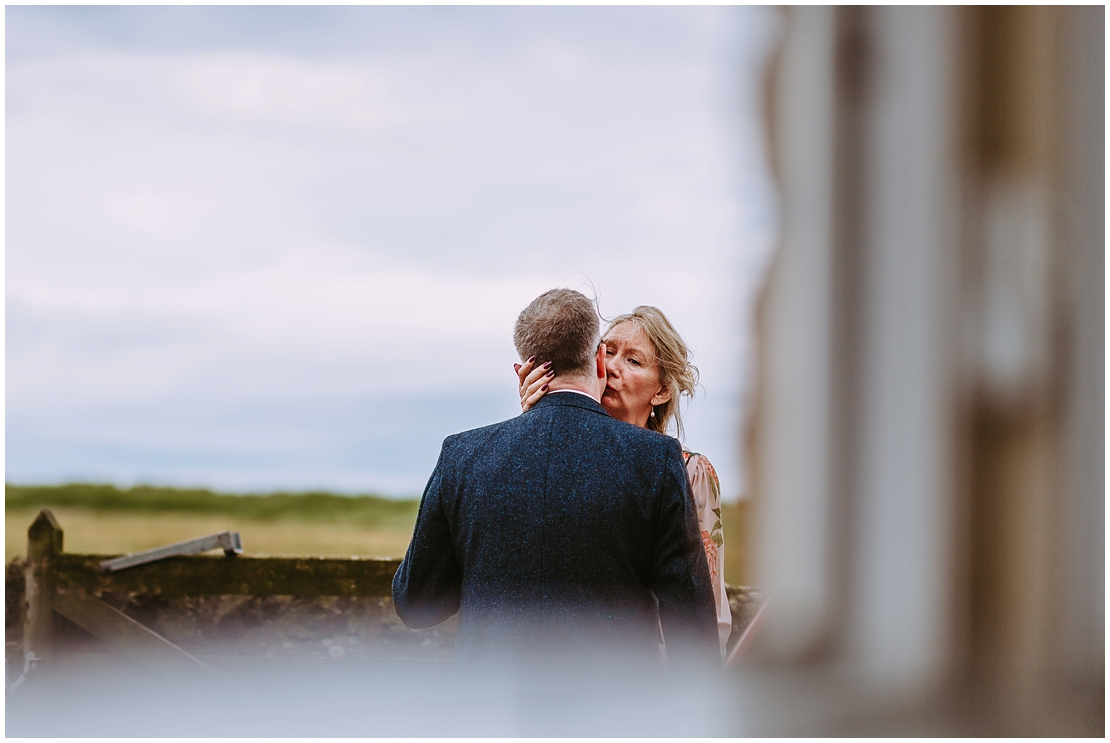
696 458
698 464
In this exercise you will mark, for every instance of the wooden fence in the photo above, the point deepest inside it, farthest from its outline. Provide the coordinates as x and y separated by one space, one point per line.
190 614
51 590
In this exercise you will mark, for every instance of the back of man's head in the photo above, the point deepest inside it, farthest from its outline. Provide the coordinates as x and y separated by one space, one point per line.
560 326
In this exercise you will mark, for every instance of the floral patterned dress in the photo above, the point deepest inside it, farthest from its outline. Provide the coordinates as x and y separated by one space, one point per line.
706 489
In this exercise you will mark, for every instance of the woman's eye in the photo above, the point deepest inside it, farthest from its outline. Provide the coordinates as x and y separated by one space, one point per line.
634 361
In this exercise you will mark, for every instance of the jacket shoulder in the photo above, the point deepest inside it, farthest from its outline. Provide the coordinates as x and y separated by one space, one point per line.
650 449
646 437
459 444
477 436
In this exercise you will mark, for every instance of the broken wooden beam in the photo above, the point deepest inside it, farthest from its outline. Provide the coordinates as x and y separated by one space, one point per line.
128 637
228 541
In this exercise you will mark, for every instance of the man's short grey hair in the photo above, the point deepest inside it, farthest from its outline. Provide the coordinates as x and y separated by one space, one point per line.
560 326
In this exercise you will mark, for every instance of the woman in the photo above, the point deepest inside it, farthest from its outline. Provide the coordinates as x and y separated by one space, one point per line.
647 367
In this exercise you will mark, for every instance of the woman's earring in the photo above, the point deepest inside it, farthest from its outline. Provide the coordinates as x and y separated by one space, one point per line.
653 412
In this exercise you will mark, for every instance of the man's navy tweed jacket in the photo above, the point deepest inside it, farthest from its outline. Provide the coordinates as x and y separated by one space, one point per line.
560 529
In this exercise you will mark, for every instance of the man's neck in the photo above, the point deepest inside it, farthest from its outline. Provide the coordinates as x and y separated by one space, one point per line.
576 385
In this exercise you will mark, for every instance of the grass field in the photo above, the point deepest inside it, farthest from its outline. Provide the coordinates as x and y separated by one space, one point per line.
102 519
119 532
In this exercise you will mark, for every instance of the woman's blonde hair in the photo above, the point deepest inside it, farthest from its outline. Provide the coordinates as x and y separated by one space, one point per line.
675 370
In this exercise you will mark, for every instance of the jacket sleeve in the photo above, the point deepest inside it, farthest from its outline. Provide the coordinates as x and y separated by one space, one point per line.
680 577
428 582
706 490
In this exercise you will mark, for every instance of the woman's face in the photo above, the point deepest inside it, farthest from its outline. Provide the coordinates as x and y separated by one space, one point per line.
632 385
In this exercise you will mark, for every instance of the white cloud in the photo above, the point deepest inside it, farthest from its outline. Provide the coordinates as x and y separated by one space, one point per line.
272 228
270 88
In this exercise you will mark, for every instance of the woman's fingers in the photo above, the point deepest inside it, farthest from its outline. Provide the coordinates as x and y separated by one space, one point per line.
534 392
522 370
540 372
527 403
536 387
537 384
533 383
526 374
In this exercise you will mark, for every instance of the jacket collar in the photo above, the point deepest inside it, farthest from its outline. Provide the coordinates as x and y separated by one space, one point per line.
569 399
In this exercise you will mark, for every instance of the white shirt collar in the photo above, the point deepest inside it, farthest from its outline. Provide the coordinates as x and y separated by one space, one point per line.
577 392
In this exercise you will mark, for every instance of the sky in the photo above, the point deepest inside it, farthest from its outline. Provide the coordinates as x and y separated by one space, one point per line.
282 248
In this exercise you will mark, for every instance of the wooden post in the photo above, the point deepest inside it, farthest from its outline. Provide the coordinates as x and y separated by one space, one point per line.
44 542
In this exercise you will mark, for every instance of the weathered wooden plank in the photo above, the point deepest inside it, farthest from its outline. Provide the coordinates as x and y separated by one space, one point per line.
203 575
15 592
228 541
744 642
124 634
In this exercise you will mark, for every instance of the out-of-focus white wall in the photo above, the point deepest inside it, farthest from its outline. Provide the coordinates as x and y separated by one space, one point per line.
928 435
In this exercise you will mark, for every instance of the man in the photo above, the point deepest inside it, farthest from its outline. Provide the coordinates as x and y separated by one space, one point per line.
562 530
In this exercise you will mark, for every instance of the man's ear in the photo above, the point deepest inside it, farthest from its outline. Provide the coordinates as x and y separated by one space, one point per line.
600 361
661 396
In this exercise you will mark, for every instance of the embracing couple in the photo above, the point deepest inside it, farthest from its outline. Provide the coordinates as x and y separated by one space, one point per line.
579 528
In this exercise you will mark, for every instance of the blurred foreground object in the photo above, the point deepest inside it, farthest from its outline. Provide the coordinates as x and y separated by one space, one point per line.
268 645
928 439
